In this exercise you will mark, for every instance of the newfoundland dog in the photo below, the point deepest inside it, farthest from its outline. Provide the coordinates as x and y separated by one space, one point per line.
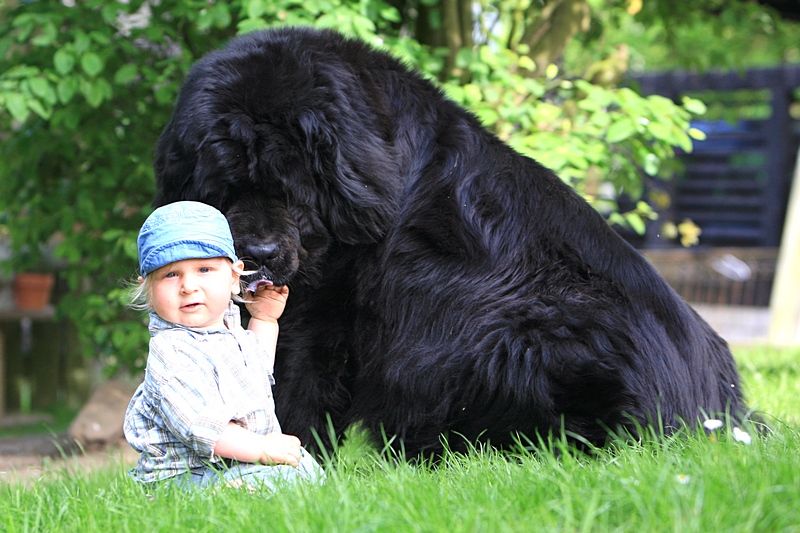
445 290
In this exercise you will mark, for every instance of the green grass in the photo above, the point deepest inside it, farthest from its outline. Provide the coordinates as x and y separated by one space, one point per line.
771 378
679 484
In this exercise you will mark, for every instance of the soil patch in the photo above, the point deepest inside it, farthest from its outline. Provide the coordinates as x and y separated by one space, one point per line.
29 458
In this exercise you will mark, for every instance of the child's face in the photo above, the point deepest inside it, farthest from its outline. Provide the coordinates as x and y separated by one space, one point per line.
193 292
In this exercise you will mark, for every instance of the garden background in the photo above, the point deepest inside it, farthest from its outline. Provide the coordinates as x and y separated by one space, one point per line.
87 86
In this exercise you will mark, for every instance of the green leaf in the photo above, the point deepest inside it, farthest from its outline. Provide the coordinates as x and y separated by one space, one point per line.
694 106
683 140
82 41
66 89
109 13
662 132
43 89
390 13
91 64
472 93
165 94
651 164
95 91
126 74
113 234
222 15
21 72
620 130
67 118
17 106
23 20
255 8
247 25
37 107
526 63
454 92
47 36
204 20
464 57
64 61
635 222
100 38
487 116
100 335
487 56
697 134
130 249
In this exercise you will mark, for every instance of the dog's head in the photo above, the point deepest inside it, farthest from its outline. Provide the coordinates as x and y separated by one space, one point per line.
281 134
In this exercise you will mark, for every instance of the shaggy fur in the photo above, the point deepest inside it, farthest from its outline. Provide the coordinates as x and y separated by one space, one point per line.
441 283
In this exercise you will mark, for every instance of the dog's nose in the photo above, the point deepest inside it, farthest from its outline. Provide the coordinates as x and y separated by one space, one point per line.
263 252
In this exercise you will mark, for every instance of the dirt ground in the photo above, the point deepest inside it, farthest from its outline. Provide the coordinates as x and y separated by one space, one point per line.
31 458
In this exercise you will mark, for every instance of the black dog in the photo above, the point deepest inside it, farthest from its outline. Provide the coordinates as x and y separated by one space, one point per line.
442 284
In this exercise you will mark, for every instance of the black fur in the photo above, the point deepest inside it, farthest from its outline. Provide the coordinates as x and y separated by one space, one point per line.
441 283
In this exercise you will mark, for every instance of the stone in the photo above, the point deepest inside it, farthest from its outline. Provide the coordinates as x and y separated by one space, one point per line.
99 423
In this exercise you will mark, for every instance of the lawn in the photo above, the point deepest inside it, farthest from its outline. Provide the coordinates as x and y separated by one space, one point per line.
686 483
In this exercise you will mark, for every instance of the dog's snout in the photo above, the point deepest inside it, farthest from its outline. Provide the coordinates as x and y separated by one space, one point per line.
263 252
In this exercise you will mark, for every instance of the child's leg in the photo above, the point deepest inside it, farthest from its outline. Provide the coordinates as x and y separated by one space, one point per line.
272 477
206 477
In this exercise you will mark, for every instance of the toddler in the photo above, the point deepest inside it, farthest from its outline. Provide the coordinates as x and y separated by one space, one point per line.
205 414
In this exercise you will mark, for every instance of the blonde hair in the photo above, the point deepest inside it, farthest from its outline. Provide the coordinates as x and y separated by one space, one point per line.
140 294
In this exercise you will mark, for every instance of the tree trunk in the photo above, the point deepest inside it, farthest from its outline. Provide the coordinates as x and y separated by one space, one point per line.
447 24
556 23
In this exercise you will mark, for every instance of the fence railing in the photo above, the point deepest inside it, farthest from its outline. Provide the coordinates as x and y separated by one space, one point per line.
736 183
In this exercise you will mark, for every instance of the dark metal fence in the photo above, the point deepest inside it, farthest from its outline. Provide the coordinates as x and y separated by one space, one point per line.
735 184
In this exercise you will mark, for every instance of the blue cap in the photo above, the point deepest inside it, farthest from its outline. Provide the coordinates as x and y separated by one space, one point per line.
183 230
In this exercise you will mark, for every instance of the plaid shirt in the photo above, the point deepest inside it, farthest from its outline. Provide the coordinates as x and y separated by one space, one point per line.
196 382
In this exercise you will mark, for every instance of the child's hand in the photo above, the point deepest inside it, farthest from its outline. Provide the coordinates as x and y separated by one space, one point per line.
268 302
280 449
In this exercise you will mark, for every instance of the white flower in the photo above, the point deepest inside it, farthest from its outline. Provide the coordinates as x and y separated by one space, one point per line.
741 436
683 479
712 423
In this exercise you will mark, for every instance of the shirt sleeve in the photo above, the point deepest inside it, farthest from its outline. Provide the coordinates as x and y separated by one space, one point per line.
261 350
190 402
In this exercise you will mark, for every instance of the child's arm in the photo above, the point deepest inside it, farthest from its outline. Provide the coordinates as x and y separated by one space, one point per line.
241 444
236 442
266 307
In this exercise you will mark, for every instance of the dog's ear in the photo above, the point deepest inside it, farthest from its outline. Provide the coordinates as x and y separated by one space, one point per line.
189 163
356 171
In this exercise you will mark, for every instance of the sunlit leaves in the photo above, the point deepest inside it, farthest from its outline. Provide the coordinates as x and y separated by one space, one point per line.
91 64
694 106
620 130
577 128
16 104
83 104
217 15
64 61
126 74
95 91
600 140
66 89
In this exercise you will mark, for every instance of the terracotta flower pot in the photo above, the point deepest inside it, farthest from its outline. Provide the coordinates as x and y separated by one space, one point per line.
33 290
